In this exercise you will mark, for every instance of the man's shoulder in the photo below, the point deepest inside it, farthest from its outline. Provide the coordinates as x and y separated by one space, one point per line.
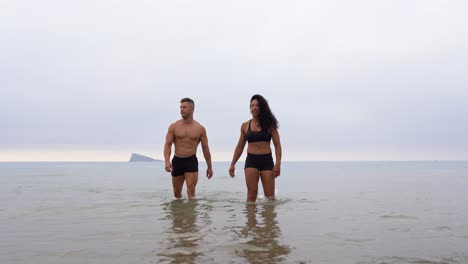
180 123
198 125
177 122
174 125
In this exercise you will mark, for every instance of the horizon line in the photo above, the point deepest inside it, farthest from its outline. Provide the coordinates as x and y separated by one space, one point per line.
202 161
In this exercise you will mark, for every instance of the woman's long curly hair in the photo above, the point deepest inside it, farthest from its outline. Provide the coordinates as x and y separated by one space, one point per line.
266 118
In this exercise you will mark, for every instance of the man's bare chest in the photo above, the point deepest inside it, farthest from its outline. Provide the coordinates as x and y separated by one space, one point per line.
187 134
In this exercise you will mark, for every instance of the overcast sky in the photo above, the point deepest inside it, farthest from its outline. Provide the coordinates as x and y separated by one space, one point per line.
348 80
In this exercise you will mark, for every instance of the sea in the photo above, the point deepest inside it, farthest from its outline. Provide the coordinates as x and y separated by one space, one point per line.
325 212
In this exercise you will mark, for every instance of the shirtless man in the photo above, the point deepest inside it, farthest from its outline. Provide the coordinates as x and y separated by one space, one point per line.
186 134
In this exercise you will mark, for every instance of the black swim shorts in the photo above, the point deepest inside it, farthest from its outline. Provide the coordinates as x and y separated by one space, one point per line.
261 162
183 165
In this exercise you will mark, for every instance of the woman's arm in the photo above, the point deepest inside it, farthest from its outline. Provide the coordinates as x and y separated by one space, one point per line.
278 152
238 151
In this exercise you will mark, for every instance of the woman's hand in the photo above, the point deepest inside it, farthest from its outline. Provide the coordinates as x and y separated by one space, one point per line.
277 170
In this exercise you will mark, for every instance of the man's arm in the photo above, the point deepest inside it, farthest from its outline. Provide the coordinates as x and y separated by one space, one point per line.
206 153
168 146
278 152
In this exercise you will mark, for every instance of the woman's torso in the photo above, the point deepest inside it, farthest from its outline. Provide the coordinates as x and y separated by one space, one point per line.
258 139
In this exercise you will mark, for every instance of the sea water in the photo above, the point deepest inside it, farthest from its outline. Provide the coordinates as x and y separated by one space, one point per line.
325 212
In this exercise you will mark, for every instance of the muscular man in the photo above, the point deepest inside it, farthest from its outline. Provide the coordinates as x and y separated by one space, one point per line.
186 134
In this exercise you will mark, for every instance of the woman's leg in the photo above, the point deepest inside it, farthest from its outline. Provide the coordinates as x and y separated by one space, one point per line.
268 183
251 179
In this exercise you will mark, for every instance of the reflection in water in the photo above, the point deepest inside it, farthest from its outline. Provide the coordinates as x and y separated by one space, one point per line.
262 232
184 234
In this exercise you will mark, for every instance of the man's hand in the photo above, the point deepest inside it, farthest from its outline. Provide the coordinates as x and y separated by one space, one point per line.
231 171
277 170
168 167
209 173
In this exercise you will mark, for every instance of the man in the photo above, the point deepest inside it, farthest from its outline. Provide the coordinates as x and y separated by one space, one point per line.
186 134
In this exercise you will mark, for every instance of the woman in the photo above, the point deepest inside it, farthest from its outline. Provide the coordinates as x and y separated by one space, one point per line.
258 132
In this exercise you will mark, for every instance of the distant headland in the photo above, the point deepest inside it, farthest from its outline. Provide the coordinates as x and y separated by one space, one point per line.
140 158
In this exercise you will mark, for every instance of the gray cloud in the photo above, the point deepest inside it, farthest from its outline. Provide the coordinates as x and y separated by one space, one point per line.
342 77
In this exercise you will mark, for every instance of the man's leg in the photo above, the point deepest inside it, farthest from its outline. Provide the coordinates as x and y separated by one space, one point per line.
177 184
191 178
251 180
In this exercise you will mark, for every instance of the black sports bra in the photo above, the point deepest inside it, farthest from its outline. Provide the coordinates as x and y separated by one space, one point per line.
257 136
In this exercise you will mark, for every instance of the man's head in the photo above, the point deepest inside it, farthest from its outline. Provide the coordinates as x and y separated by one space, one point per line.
187 107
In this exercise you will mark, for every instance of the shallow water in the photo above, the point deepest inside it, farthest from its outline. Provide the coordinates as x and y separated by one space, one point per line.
326 212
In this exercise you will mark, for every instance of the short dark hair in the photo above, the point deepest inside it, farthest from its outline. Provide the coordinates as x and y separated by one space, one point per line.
188 100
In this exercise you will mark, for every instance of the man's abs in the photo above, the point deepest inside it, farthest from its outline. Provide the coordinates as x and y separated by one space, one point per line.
185 149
